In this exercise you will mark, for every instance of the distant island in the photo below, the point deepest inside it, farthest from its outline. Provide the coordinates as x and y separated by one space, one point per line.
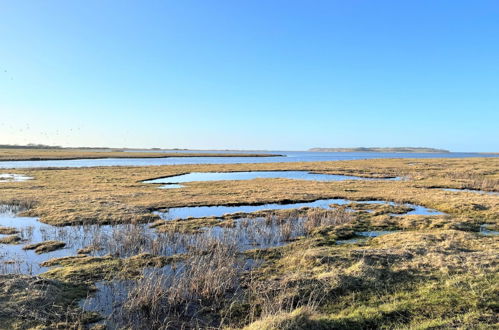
399 149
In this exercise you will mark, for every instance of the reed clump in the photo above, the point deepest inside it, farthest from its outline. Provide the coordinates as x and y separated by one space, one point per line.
188 296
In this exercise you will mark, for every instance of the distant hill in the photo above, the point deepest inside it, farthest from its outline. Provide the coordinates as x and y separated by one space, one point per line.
399 149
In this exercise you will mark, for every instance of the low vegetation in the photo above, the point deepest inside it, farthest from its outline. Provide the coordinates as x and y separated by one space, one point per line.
8 231
44 247
10 239
86 269
30 302
417 279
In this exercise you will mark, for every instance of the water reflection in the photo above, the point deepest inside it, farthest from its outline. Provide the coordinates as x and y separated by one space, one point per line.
174 181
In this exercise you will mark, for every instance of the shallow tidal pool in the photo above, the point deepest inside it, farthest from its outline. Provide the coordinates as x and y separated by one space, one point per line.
177 180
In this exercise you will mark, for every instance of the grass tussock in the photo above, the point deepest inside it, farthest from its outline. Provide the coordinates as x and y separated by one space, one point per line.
33 302
86 269
8 231
10 239
44 247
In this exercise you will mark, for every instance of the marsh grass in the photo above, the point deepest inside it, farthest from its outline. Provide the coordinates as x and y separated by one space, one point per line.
10 239
117 194
396 281
29 302
187 295
202 286
8 231
474 180
83 269
44 247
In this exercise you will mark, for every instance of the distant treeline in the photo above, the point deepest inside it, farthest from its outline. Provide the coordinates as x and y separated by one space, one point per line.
398 149
28 146
44 146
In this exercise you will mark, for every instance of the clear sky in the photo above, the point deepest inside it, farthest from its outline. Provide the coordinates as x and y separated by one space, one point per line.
254 74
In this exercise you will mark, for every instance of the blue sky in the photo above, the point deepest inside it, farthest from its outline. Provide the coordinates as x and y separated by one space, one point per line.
250 74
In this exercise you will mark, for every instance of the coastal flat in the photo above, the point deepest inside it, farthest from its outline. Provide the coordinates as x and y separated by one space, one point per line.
117 194
421 266
12 154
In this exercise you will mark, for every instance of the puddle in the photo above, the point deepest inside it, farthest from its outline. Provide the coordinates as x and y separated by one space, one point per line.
484 230
108 296
218 211
231 176
420 210
482 192
171 186
260 233
374 233
350 241
5 177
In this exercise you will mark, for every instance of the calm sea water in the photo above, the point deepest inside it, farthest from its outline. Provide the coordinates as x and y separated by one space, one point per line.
288 156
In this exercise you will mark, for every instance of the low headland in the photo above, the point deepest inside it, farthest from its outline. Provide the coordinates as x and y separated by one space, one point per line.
376 149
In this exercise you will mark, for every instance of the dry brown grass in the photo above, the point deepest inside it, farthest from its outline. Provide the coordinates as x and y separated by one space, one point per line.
10 239
44 247
8 231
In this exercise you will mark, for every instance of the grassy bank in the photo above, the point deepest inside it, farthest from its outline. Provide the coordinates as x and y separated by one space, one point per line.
435 279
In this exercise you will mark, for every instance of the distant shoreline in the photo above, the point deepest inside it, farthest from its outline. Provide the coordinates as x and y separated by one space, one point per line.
74 154
398 149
